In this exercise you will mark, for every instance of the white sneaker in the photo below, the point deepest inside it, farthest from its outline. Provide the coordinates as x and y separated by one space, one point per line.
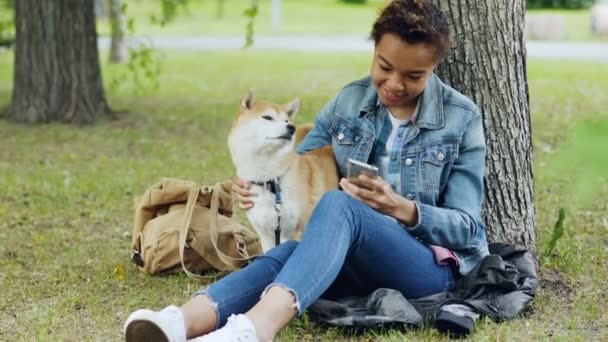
166 325
238 329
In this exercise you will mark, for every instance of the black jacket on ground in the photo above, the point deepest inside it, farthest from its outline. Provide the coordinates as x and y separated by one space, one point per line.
500 287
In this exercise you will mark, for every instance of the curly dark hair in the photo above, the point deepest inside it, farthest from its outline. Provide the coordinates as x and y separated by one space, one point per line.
415 21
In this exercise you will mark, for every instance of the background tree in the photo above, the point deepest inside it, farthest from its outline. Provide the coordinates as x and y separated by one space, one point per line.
101 8
221 4
488 64
118 47
56 74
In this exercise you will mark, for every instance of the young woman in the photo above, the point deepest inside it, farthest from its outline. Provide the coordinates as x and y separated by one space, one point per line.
418 228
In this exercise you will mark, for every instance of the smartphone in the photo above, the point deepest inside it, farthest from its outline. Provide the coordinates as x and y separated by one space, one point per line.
354 168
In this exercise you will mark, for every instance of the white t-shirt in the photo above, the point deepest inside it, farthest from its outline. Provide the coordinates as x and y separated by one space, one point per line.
390 141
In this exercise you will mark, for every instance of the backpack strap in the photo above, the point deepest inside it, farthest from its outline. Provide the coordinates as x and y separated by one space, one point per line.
214 233
183 232
232 262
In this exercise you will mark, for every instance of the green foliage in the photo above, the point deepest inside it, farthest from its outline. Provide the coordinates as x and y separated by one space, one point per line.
555 4
169 10
557 233
144 62
145 66
250 13
7 30
116 24
331 17
7 22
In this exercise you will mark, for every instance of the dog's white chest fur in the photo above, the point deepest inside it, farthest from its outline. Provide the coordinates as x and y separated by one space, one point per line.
263 215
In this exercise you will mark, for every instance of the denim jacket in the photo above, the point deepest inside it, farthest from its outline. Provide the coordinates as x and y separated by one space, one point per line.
442 159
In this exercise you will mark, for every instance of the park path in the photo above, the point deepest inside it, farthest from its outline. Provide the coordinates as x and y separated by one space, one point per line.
536 49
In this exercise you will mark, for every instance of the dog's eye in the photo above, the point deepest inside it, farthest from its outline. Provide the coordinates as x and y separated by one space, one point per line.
267 117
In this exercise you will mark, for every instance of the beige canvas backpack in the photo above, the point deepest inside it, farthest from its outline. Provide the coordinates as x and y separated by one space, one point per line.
179 225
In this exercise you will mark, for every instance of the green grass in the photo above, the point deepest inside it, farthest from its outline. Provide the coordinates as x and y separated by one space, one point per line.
577 24
297 17
307 17
331 17
66 194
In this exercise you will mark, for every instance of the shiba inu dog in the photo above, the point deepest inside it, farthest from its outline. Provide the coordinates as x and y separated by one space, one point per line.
286 185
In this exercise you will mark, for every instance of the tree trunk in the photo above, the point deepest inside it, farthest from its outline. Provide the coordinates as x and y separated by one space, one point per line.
101 10
488 64
118 48
56 75
221 5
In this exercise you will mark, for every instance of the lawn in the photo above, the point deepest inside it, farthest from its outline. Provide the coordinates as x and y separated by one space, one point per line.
577 24
324 17
66 193
330 17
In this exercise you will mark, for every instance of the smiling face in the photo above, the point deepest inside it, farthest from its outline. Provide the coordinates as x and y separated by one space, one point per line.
400 71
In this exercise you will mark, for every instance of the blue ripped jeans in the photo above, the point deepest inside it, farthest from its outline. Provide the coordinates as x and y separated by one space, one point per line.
348 249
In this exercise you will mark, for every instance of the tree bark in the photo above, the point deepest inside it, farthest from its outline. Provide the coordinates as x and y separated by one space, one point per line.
488 64
118 48
56 74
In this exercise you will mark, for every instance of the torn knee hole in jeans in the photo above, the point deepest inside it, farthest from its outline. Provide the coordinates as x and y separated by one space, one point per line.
296 303
213 303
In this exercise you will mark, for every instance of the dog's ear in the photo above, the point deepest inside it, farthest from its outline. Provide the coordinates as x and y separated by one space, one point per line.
291 109
247 102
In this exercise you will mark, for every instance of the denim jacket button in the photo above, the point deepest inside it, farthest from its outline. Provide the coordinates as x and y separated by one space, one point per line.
440 156
408 162
409 197
340 136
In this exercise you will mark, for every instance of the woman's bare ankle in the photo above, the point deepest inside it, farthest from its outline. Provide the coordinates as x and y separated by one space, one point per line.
263 327
274 311
200 316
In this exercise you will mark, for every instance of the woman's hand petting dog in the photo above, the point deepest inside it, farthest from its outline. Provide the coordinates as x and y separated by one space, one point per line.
243 195
382 198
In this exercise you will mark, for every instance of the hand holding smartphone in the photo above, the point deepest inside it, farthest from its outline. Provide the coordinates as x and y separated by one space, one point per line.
354 168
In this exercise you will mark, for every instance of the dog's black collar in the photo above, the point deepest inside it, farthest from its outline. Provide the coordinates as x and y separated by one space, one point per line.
274 186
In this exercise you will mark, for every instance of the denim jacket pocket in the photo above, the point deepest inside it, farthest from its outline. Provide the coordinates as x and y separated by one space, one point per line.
344 132
436 163
346 138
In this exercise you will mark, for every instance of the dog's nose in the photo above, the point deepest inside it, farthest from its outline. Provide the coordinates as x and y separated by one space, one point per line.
291 128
